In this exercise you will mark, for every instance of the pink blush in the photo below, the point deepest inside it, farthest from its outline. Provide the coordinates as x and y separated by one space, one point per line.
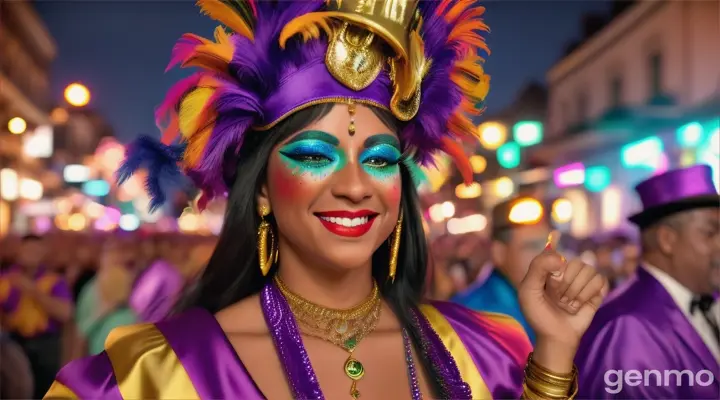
285 183
393 194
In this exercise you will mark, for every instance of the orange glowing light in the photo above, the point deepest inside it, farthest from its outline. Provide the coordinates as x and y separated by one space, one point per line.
77 95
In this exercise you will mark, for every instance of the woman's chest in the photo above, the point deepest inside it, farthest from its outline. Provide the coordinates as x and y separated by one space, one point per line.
380 367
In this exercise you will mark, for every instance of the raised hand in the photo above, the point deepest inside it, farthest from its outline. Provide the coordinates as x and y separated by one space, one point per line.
559 300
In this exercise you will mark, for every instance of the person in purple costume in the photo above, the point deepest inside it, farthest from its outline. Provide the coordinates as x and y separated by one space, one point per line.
35 302
313 117
657 335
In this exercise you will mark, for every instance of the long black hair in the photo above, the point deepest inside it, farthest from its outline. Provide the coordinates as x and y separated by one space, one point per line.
233 272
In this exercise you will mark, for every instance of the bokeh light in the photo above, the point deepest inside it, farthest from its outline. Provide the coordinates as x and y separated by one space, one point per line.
77 95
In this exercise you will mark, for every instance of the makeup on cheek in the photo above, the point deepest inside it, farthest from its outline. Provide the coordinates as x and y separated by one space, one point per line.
381 162
316 158
286 183
394 193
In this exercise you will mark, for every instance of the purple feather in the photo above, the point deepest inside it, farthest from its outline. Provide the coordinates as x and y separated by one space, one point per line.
440 96
161 162
261 72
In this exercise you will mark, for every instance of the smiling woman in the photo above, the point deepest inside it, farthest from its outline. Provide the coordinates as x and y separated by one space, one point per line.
312 118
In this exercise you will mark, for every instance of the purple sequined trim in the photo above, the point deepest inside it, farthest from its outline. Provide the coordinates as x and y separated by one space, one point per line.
412 372
442 361
288 342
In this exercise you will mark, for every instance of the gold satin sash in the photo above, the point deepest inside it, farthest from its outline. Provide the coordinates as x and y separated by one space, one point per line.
468 370
60 391
145 365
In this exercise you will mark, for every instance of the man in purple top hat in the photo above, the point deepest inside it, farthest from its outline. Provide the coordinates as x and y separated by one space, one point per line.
656 337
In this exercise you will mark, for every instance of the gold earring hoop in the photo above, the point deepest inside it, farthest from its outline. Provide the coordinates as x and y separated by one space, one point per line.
395 248
266 258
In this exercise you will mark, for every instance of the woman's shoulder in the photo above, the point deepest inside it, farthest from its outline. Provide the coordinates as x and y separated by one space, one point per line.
180 357
479 328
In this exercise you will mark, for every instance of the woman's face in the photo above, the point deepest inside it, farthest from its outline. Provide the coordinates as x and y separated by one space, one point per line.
335 196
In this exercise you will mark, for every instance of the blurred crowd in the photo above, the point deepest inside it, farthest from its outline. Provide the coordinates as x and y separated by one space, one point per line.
84 285
459 261
61 295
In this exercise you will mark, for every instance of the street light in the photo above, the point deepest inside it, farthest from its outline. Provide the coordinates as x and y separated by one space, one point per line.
17 126
77 95
492 135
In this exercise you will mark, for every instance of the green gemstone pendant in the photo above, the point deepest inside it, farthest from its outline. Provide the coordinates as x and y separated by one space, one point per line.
354 369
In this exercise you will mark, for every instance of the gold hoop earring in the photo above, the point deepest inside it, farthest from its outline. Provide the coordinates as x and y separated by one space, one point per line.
395 248
266 259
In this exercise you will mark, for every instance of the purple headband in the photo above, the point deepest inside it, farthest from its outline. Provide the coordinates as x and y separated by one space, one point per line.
312 84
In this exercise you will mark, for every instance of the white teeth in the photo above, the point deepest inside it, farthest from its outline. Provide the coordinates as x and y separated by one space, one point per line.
347 222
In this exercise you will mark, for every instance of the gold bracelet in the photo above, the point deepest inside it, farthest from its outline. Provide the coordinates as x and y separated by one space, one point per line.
548 388
529 394
532 373
543 384
550 374
532 393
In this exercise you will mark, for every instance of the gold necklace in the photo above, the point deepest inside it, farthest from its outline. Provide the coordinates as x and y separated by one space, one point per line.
343 328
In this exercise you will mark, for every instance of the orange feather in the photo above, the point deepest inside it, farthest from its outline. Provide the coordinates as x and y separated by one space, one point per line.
458 9
215 56
456 152
308 25
226 15
171 131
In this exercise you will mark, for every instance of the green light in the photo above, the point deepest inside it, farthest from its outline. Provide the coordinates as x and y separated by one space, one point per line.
643 153
597 178
508 155
528 133
690 135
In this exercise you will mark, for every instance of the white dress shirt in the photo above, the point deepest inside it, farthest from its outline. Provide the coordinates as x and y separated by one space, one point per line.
683 298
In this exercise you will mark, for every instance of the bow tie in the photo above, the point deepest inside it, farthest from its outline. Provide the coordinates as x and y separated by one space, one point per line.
702 303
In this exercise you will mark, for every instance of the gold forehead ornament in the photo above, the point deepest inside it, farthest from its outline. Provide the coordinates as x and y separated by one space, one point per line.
352 108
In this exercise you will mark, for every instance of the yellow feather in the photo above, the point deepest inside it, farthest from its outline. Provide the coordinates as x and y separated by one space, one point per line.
226 15
191 115
308 25
470 76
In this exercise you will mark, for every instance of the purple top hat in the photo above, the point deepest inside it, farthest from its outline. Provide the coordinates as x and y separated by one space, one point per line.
674 191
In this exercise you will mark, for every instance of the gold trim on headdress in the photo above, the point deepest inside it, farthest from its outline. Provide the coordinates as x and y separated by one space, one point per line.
355 58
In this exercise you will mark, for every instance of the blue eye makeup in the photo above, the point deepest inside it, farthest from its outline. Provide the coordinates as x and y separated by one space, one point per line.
312 152
381 161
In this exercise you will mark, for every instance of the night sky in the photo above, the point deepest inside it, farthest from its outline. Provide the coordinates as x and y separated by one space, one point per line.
119 49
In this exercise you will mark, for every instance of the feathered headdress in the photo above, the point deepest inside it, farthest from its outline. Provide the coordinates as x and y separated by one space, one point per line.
417 59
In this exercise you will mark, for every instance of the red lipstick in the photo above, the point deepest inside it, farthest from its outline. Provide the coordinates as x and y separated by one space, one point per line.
345 223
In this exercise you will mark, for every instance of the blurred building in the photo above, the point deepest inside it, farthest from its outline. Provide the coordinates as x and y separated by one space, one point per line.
499 168
638 95
25 127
